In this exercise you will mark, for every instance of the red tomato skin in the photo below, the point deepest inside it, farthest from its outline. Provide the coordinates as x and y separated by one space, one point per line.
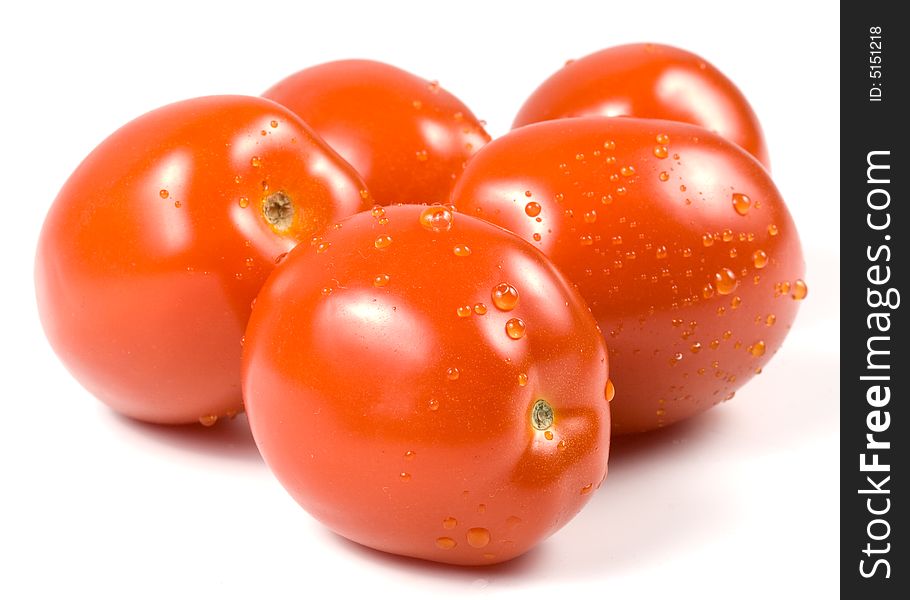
648 81
406 136
157 244
644 239
404 425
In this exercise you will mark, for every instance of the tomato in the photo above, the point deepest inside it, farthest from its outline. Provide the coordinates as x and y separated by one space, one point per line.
649 81
678 240
158 242
406 136
427 384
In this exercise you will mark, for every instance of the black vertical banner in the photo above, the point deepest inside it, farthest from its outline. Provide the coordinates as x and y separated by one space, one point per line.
875 137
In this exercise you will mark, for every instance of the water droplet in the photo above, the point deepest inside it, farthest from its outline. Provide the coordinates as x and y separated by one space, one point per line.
478 537
660 412
243 202
164 194
661 151
676 358
536 237
609 391
707 291
322 247
579 156
620 190
480 308
449 523
627 171
587 489
695 348
421 155
515 328
505 297
741 203
757 349
433 404
383 241
727 235
452 373
522 379
561 445
663 176
208 420
548 434
377 211
446 543
404 476
800 289
662 138
586 240
461 250
256 161
409 455
417 104
532 209
682 188
327 291
437 218
609 145
381 280
733 252
772 229
541 415
725 281
463 311
661 252
177 203
249 262
590 216
760 259
770 320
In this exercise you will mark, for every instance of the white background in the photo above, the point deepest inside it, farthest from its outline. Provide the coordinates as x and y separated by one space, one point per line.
741 503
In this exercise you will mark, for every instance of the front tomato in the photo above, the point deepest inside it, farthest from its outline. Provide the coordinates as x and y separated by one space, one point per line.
158 242
427 384
678 240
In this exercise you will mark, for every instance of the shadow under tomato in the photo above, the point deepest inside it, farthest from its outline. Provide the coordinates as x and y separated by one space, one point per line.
227 439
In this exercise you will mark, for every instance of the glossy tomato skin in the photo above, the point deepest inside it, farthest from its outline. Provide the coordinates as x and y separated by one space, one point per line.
395 399
406 136
678 240
648 81
155 247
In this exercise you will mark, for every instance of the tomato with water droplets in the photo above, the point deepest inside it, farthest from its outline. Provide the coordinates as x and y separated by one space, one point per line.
407 136
157 244
648 81
692 267
409 422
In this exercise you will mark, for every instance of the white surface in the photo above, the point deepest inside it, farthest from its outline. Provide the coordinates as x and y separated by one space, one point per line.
740 503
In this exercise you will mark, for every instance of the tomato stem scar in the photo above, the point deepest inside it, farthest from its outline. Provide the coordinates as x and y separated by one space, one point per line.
278 210
541 415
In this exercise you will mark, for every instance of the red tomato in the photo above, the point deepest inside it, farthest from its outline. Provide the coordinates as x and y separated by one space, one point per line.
428 384
406 136
652 81
677 239
158 242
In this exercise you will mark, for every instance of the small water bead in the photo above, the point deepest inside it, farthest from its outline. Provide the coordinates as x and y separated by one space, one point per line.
663 176
590 216
481 508
579 156
505 297
661 252
515 328
478 537
452 373
404 476
409 455
772 229
322 247
208 420
548 435
463 311
559 197
715 344
256 162
383 241
327 291
660 412
164 194
449 523
733 253
707 240
727 235
707 291
757 349
609 145
417 104
741 204
381 280
800 289
661 152
609 391
725 281
587 489
243 202
760 259
446 543
770 320
421 155
177 203
586 240
377 211
437 218
480 308
695 348
735 302
627 171
433 404
522 379
461 250
620 190
561 445
532 209
536 237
